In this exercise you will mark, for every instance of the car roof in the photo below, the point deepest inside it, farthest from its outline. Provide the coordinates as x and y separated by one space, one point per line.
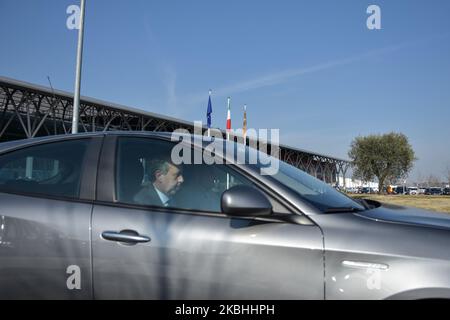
4 146
200 141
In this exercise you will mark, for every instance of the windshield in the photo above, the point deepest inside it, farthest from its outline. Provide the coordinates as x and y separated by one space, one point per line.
318 193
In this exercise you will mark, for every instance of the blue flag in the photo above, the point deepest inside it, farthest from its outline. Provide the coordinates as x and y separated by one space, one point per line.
208 112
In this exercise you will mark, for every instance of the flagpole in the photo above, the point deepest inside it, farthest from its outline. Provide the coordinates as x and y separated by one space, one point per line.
209 129
228 118
76 98
228 134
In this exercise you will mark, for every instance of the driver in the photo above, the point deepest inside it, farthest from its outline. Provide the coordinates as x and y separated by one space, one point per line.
166 179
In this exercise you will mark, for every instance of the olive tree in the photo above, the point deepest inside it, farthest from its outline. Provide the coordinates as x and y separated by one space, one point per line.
386 157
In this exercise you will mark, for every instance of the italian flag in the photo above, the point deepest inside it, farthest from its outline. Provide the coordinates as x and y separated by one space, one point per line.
228 119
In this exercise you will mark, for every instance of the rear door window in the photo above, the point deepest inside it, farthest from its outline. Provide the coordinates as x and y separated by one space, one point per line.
52 169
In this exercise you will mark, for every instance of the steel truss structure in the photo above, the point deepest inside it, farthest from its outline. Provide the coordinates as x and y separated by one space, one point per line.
28 111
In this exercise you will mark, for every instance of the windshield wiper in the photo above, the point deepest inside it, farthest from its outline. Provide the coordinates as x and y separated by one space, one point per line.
342 209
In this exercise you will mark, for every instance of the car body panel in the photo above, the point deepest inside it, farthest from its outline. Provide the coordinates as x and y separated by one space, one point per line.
409 215
39 240
44 239
205 257
370 259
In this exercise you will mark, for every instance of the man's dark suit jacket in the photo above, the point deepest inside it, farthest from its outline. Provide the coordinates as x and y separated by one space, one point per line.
148 196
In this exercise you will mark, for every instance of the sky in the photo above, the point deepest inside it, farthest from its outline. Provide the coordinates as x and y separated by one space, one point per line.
309 68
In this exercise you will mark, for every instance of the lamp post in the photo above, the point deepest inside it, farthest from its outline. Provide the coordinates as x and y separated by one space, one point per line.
76 97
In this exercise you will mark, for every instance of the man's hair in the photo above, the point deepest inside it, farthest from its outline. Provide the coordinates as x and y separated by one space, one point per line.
158 164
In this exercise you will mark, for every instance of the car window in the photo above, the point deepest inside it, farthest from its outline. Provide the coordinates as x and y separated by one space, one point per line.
146 176
52 169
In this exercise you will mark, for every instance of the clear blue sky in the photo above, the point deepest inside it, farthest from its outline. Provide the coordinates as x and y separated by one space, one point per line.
310 68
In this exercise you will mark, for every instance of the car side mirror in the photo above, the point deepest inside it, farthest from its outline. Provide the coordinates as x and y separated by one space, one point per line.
245 200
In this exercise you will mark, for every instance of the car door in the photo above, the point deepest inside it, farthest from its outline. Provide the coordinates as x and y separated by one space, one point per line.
190 250
46 193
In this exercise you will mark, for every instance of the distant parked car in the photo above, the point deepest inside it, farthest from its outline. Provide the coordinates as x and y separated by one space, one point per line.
401 190
367 190
446 191
352 190
412 191
434 191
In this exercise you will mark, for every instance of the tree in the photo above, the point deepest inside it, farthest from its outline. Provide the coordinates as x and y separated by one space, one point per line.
386 157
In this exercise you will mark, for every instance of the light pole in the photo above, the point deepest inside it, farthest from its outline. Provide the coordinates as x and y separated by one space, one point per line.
76 97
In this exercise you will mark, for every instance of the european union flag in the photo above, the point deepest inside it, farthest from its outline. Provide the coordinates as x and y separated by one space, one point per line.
209 111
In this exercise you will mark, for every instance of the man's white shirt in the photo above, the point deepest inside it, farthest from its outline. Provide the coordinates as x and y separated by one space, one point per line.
163 197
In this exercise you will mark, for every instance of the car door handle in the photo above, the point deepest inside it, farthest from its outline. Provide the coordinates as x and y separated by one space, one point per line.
127 236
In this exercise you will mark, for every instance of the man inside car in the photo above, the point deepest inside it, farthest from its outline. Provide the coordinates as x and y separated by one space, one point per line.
165 181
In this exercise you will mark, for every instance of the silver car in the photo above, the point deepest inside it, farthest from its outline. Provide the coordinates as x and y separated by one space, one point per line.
85 217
